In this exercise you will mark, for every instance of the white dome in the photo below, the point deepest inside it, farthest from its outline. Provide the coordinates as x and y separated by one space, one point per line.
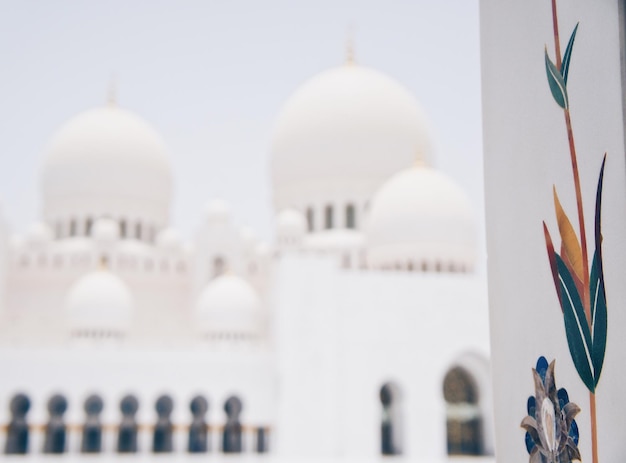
217 211
16 242
107 161
342 134
420 219
229 305
169 240
99 304
39 234
106 230
263 250
290 227
291 222
248 239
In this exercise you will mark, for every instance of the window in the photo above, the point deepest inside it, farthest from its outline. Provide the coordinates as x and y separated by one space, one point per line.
92 429
310 218
198 431
219 266
391 425
72 228
350 216
123 228
17 430
463 418
88 224
151 234
232 438
328 216
138 230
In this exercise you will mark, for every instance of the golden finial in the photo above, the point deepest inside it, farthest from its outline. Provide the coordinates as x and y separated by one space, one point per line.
112 91
419 159
104 263
350 46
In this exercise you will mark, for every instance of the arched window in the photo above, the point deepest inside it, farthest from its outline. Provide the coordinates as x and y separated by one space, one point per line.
198 431
92 429
151 234
138 230
350 216
219 266
72 228
163 433
17 430
56 432
88 224
328 217
463 418
310 219
391 425
122 228
128 429
232 438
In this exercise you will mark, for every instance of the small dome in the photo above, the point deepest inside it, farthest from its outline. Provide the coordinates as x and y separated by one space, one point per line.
229 306
248 239
217 211
263 250
106 230
169 240
420 219
99 304
290 223
342 134
39 234
16 242
108 160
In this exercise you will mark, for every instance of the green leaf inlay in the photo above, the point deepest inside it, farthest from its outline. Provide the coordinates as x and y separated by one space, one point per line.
557 84
568 55
576 327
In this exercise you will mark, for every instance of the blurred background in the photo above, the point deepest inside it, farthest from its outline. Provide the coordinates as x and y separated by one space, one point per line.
211 78
340 303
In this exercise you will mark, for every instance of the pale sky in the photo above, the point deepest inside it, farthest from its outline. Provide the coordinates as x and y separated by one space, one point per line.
212 76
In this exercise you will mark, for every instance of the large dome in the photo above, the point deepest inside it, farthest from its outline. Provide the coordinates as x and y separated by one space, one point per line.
340 135
421 220
106 161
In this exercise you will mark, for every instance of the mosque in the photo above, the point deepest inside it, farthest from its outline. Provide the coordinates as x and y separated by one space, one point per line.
361 330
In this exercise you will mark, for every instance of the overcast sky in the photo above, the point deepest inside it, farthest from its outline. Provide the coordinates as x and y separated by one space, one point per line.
211 77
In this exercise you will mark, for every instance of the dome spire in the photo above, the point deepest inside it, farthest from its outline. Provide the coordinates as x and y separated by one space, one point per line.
350 46
418 161
112 91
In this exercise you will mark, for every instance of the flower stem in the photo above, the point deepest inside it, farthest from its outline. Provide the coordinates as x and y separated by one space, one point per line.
581 223
581 218
579 197
594 432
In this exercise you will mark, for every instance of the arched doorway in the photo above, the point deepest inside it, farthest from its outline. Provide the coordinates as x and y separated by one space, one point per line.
463 417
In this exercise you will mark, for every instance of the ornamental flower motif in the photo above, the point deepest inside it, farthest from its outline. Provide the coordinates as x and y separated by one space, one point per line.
551 432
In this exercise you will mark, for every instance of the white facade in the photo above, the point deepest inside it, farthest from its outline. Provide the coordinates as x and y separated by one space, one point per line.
105 296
